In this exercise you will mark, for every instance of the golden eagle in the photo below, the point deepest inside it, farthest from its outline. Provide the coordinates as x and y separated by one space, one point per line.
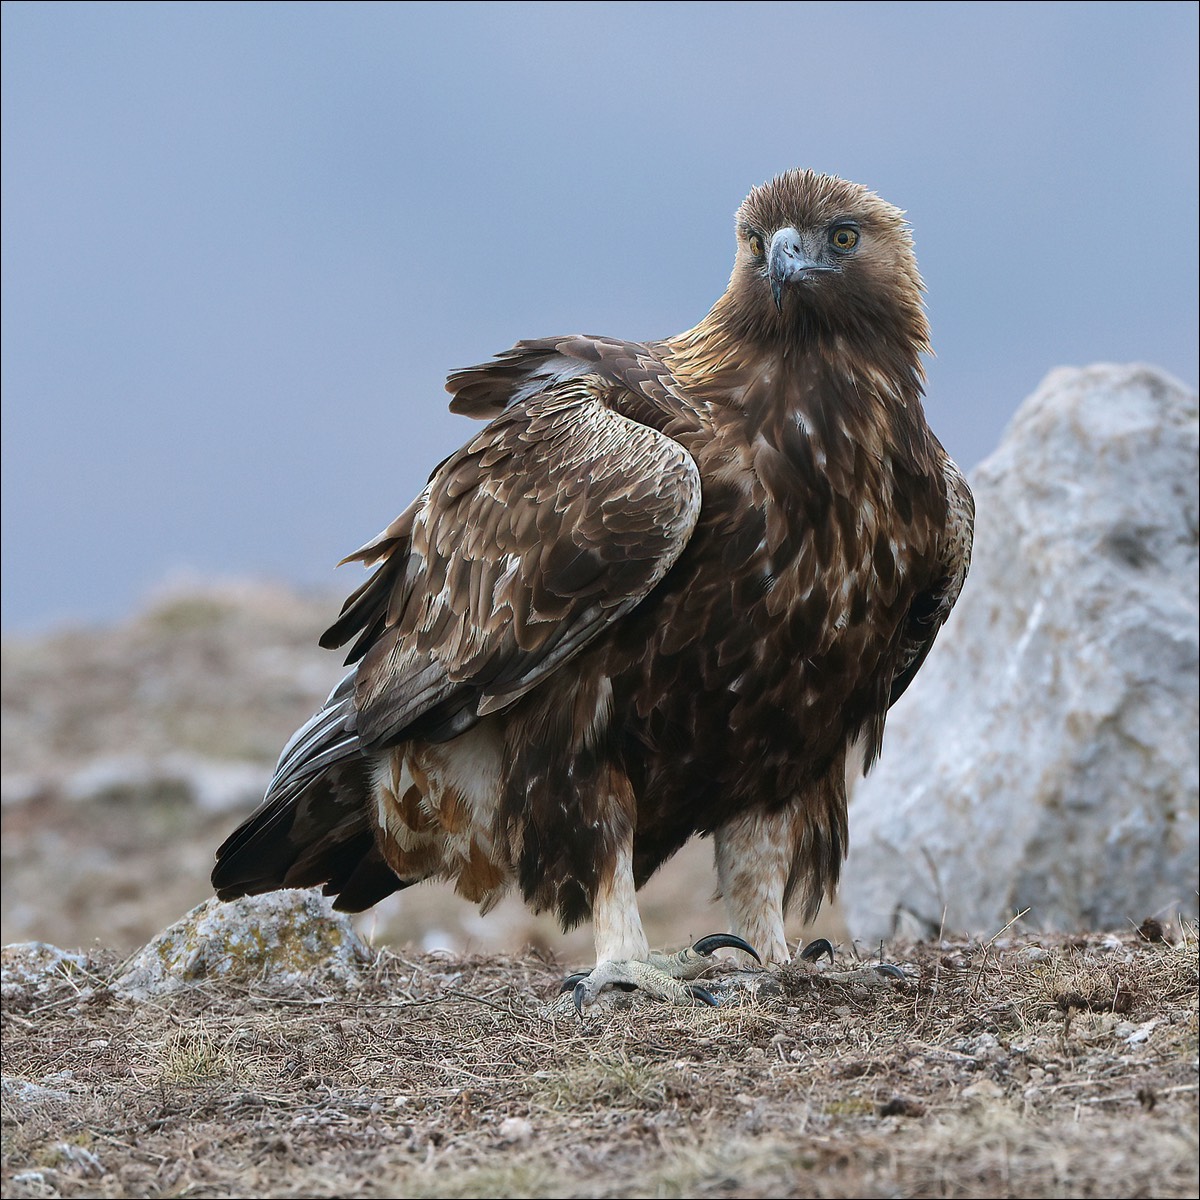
661 593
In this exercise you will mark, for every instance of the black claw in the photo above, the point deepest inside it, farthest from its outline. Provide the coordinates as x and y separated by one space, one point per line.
889 969
577 995
718 941
574 979
704 995
814 951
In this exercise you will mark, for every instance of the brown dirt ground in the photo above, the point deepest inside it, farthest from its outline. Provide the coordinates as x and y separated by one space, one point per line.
1021 1067
1018 1067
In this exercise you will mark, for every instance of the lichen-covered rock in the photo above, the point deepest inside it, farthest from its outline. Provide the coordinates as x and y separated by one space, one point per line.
281 942
1046 756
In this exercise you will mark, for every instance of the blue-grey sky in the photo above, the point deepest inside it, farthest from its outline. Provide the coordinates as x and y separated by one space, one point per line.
243 244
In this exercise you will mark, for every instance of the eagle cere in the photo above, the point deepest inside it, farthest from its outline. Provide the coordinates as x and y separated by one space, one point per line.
662 592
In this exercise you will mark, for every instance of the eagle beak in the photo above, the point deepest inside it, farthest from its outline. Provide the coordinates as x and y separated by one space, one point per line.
788 262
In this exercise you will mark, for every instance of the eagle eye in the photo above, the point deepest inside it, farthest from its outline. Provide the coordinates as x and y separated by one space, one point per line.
844 238
755 242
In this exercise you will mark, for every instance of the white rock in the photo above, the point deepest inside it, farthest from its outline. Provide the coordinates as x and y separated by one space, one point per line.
1046 756
516 1129
85 1162
24 1094
290 940
35 1179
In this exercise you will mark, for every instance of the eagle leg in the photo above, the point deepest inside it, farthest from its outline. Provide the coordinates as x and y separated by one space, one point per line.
762 857
623 958
664 976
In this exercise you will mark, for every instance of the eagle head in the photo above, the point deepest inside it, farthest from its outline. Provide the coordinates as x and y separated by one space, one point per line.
817 252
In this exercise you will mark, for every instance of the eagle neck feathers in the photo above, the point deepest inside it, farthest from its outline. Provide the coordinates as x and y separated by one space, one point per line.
824 385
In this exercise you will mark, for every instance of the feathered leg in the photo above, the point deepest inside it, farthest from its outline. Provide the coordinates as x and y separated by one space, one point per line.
754 859
763 858
623 957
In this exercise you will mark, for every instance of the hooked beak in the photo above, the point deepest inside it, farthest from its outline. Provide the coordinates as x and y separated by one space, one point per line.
787 262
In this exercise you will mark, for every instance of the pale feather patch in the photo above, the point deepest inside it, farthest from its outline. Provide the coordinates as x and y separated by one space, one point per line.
557 369
597 724
405 835
753 858
462 782
616 922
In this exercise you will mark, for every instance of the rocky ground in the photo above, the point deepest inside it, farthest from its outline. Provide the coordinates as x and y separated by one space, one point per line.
1023 1065
1017 1067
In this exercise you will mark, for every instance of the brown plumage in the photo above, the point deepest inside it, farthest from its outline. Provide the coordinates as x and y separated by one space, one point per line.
660 593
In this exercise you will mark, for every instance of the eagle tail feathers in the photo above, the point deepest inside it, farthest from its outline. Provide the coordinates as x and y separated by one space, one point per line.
313 826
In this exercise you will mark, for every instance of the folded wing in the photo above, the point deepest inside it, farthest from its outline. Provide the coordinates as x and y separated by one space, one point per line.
546 528
543 530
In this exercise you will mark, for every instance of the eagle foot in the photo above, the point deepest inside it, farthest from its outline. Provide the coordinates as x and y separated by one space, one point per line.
874 975
664 976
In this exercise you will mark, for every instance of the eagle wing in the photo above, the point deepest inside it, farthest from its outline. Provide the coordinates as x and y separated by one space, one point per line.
548 526
648 391
931 608
545 529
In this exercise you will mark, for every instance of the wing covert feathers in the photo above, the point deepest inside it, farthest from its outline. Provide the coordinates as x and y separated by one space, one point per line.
548 526
646 390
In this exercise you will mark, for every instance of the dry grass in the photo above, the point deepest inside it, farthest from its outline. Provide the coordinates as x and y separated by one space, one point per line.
1023 1067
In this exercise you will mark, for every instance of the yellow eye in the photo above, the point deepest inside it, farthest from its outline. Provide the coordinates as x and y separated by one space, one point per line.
755 242
844 238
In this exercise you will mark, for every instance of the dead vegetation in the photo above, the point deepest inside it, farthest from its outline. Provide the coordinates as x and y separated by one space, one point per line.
1020 1067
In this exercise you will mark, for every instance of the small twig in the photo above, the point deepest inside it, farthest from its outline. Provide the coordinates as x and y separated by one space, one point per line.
457 995
941 1052
987 947
1010 923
